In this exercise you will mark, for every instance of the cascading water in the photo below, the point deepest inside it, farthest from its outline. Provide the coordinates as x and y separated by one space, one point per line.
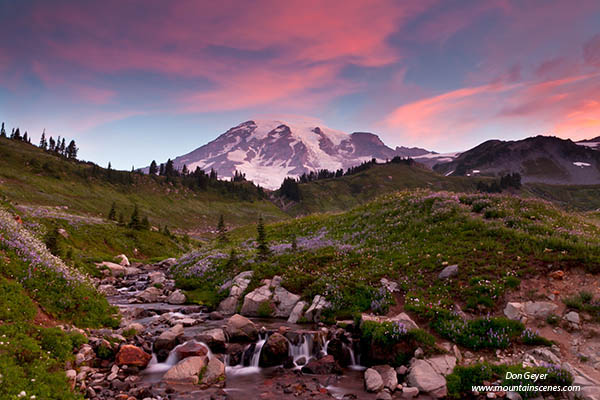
154 367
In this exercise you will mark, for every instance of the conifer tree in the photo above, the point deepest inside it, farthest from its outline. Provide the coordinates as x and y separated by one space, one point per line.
153 168
25 137
71 151
2 131
112 214
261 239
222 230
161 170
134 223
52 144
17 134
62 147
43 142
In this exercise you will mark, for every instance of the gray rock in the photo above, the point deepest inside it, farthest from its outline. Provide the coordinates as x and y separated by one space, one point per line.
390 286
448 272
443 365
373 381
123 260
108 290
424 377
513 311
241 329
383 395
539 309
573 317
149 295
186 371
284 302
236 288
156 277
214 339
177 297
254 299
319 304
409 392
296 313
169 338
388 375
214 374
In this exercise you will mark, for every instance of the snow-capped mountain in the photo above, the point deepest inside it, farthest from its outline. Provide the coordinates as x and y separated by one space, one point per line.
268 151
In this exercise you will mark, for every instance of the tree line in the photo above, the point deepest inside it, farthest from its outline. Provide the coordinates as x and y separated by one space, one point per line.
497 186
290 186
58 146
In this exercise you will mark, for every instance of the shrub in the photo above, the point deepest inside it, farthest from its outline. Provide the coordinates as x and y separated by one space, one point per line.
265 309
480 333
532 338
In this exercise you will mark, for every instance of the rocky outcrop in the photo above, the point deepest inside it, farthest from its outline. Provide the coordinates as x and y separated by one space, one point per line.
274 351
237 286
186 371
241 329
284 302
118 269
319 304
297 312
531 309
255 298
388 375
132 356
424 377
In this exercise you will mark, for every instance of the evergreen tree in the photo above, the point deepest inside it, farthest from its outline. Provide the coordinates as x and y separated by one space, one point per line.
109 166
161 170
71 150
57 147
17 134
261 239
112 214
222 230
290 189
52 144
184 170
294 243
26 137
134 223
170 169
2 131
43 142
153 168
62 147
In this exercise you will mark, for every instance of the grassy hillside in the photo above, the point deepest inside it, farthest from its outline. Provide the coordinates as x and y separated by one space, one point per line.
32 177
339 194
575 197
410 237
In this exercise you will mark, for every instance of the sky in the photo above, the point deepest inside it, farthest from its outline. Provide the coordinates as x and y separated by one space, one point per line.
137 80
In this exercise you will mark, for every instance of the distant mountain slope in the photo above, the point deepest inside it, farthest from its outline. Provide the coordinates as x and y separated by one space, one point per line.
268 151
542 159
36 180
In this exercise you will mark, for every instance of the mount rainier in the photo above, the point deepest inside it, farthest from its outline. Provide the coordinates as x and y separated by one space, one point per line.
268 151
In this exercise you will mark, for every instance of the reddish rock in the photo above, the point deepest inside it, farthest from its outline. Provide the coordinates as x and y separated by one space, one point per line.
191 349
325 366
558 275
132 355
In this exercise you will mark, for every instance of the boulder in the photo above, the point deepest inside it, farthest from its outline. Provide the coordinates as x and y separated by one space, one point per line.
214 339
573 317
539 309
296 312
284 302
274 351
384 395
409 392
513 311
85 355
113 268
448 272
444 364
186 370
319 304
132 356
149 295
236 288
340 351
324 366
241 329
254 299
177 297
425 378
108 290
390 286
167 263
123 260
191 349
214 374
156 277
167 341
388 375
135 327
373 381
215 316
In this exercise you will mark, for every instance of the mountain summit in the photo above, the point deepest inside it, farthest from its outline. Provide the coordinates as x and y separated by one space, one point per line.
268 151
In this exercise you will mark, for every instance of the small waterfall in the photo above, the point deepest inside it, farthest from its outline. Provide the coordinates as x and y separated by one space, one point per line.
256 356
303 349
154 366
